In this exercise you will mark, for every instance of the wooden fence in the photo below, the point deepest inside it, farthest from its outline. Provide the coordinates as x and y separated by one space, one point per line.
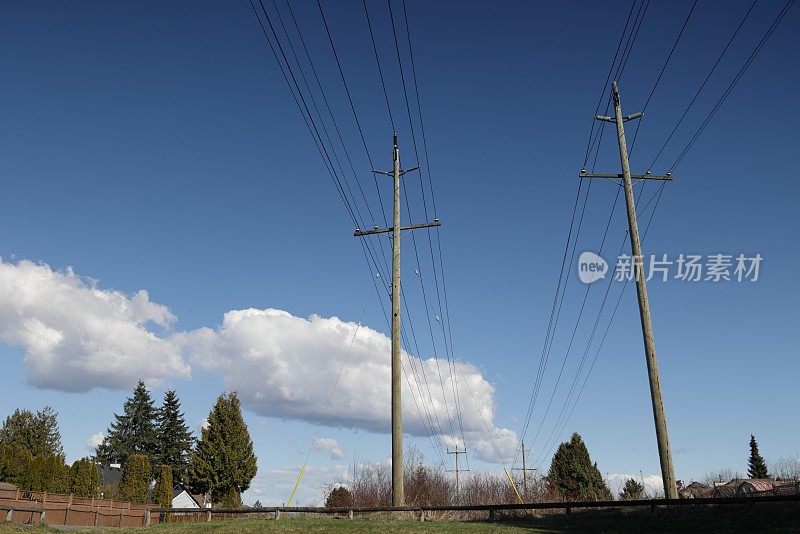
491 509
31 507
76 514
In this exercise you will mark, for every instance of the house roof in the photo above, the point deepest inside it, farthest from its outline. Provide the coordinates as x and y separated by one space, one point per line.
109 475
759 484
177 489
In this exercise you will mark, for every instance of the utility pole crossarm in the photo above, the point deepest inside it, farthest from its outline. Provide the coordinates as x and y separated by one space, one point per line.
645 176
359 233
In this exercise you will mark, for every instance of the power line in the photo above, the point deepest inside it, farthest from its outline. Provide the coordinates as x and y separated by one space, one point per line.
352 106
733 83
660 74
702 85
378 63
302 105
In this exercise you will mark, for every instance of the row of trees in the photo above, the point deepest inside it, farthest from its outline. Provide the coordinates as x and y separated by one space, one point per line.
47 472
150 442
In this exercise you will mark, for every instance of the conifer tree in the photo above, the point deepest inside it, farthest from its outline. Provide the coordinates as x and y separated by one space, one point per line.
632 491
84 478
38 432
15 461
47 472
173 437
573 474
223 462
162 493
133 432
756 467
135 478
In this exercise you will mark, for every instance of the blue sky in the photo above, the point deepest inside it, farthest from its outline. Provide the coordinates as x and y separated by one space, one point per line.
155 147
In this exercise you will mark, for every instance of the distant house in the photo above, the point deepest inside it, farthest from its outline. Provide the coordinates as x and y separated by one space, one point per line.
695 490
182 498
110 475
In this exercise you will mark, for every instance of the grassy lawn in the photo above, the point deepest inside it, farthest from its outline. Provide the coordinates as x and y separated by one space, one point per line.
772 518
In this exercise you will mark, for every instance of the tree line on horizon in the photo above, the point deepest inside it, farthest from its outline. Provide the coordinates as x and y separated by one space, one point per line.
149 443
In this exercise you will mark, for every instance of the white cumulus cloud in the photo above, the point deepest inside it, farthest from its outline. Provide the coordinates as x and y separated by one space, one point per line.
329 446
94 441
77 337
286 366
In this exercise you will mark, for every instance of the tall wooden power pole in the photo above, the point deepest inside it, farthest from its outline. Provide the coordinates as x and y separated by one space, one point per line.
664 451
398 497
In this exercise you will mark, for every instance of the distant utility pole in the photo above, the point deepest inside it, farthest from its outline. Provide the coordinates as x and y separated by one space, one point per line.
398 498
457 471
524 469
664 452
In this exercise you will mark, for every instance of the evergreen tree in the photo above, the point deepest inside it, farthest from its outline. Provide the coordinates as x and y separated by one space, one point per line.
135 478
38 432
756 467
339 497
632 491
223 462
47 472
573 474
15 461
162 493
84 478
133 432
173 437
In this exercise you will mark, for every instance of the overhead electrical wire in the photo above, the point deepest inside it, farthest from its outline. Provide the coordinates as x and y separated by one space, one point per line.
733 82
702 85
308 118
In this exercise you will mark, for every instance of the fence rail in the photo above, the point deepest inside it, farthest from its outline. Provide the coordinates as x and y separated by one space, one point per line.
9 510
492 509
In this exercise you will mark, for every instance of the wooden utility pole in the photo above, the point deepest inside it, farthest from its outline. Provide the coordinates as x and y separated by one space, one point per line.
398 498
664 451
457 471
524 469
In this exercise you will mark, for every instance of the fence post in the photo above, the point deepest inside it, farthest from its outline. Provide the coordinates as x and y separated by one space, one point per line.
41 518
10 515
350 514
653 508
96 515
208 515
491 514
422 515
277 514
147 518
568 509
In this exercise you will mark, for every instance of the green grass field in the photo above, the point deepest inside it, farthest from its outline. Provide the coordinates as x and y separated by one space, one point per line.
782 517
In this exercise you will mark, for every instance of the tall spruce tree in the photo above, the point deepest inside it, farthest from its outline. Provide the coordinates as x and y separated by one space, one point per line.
756 467
573 474
38 432
173 437
133 432
223 462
